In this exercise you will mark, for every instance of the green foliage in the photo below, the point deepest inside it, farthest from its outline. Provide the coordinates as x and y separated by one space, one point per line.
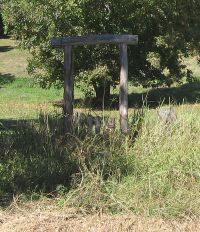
34 24
168 29
88 81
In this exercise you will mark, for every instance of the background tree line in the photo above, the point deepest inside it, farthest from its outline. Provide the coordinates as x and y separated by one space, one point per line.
168 31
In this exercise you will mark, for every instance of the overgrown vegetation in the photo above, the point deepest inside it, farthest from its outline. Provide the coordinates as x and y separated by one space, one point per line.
156 173
41 155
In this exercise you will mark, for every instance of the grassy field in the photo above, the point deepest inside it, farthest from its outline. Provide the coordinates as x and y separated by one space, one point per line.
19 98
13 61
79 182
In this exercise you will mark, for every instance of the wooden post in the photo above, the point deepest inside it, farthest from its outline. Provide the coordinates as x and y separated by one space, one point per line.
110 125
68 88
123 98
94 39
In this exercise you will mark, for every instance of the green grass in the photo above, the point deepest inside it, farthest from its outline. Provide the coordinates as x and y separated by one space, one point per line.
19 96
13 61
23 90
20 99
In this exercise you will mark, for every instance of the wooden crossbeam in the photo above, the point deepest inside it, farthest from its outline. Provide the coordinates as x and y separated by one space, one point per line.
95 39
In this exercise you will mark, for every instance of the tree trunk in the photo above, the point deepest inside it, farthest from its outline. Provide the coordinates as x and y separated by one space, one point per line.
1 26
102 92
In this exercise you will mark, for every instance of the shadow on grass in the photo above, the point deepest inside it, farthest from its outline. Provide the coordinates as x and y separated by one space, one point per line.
6 48
12 124
6 200
188 93
32 157
5 36
6 79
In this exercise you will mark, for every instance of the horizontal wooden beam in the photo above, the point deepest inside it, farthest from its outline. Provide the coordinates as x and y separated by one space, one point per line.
95 39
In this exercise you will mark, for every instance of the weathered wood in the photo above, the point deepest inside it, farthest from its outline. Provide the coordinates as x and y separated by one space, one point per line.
167 115
97 125
95 39
68 87
90 123
110 125
123 98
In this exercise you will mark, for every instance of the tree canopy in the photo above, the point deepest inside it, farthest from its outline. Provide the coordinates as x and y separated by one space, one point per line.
168 30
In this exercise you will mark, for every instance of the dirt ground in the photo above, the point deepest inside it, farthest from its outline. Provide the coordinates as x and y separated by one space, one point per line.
48 217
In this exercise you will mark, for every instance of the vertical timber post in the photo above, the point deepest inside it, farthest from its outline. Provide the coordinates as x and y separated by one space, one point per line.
123 98
68 88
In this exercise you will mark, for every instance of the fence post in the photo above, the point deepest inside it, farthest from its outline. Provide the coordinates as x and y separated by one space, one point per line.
68 88
123 96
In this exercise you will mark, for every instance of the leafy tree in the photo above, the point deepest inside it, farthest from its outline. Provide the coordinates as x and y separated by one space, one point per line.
168 30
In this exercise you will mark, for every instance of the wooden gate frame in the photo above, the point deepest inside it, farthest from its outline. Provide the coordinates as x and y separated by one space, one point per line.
123 41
